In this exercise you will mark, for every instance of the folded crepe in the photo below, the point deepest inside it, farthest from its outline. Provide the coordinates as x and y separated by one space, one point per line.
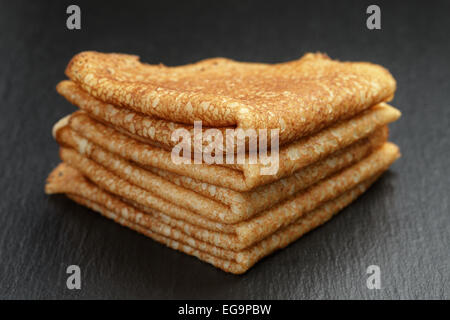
147 129
299 97
244 177
116 151
206 199
247 232
65 179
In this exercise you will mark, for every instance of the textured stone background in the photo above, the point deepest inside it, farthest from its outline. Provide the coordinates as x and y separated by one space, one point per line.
402 224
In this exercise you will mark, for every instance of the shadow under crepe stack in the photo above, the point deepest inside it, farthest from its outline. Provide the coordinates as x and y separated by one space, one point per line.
116 150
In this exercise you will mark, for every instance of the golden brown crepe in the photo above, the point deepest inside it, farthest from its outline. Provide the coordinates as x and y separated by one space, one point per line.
244 177
332 119
299 97
153 226
204 198
258 226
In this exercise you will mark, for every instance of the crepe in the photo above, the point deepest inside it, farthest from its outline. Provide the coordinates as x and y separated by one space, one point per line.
299 97
248 176
254 229
153 226
147 129
205 198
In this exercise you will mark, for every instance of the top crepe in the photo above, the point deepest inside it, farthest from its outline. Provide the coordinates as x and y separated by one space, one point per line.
299 97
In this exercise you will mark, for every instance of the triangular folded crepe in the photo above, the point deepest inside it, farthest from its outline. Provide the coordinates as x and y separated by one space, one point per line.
204 198
299 97
332 120
291 157
153 226
259 226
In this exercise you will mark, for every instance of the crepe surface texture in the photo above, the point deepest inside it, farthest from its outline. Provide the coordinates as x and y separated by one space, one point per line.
298 97
214 200
248 176
116 150
247 232
149 224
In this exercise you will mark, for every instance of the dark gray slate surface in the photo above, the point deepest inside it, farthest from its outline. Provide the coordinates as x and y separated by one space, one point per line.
401 224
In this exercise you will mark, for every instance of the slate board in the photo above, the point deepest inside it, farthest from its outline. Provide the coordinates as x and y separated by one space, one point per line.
401 224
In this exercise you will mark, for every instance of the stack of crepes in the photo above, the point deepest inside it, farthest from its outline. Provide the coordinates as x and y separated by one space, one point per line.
331 118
